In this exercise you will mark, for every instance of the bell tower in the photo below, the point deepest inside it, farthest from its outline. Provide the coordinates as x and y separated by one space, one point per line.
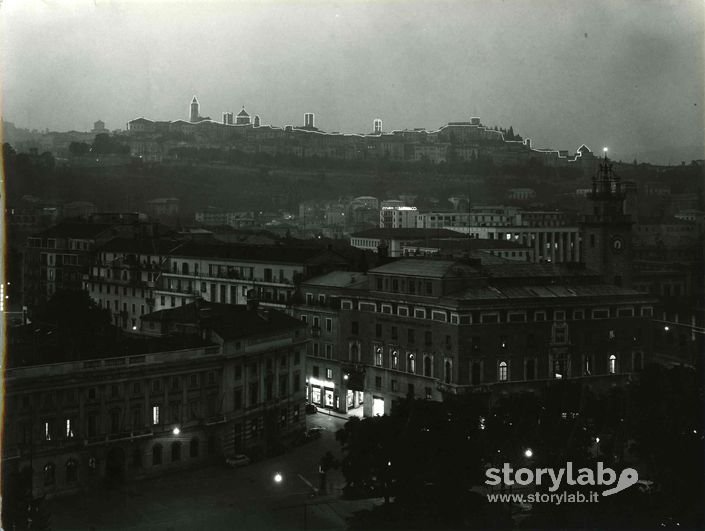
194 110
606 231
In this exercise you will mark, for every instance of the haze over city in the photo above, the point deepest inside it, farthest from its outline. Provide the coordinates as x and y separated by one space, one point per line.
627 74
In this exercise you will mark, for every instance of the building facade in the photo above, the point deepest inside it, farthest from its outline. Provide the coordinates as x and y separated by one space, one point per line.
428 327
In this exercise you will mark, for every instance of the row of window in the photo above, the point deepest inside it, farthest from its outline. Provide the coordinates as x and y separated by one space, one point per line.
497 317
175 383
116 289
560 368
316 322
410 388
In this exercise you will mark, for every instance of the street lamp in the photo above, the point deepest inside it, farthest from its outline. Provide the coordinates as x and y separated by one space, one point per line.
278 478
176 430
528 453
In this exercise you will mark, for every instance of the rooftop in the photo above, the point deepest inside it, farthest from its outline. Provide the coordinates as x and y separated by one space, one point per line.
420 267
229 321
340 279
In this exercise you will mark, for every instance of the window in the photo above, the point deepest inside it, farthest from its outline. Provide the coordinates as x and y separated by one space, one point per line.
539 316
155 415
559 315
48 429
346 305
600 314
395 360
69 429
309 298
411 363
403 311
489 318
304 318
329 324
378 356
329 351
193 447
378 382
625 312
612 364
395 386
329 374
49 474
448 372
71 471
315 371
503 373
578 314
647 311
429 393
386 308
517 317
156 455
419 313
439 316
427 366
316 349
175 451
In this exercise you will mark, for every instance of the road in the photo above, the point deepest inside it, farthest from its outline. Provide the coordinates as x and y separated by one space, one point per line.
217 497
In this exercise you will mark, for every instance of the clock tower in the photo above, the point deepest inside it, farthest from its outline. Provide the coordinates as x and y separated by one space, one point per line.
605 230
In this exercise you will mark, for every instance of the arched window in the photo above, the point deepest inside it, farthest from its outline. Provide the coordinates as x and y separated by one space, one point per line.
395 359
448 375
71 471
354 352
176 451
156 454
412 364
613 364
378 356
503 371
49 474
193 447
427 366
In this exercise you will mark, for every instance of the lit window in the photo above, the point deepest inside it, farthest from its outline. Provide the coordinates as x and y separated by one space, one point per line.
412 364
69 429
378 356
155 415
395 359
503 371
613 364
47 431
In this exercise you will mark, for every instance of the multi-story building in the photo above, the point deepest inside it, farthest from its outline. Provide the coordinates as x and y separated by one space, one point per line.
229 273
394 240
155 404
426 327
397 215
124 274
57 258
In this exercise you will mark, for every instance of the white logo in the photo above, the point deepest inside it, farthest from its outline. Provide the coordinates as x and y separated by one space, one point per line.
603 476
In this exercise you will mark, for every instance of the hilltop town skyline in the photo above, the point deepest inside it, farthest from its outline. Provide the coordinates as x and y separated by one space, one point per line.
620 77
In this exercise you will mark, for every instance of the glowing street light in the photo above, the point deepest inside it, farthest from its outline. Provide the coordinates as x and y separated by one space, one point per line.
528 453
176 430
666 328
278 478
604 150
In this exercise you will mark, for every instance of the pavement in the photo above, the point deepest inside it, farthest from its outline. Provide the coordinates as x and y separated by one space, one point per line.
215 497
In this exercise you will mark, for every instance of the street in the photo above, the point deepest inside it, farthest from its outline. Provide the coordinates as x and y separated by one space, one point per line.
218 497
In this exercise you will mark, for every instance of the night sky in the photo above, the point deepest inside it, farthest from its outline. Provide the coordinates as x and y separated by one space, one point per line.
625 74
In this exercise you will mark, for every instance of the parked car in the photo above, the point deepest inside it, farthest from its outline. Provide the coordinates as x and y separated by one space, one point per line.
311 408
237 460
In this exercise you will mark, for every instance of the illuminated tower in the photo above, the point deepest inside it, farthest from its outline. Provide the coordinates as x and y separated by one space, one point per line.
194 110
377 126
606 230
